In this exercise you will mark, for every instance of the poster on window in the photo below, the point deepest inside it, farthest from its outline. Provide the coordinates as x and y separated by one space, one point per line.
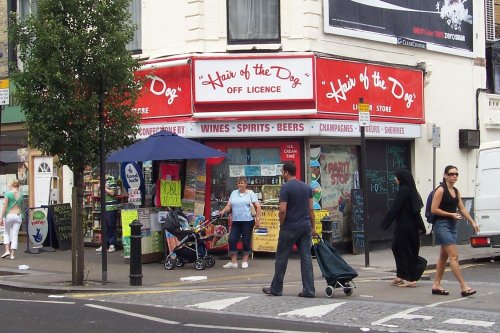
338 166
438 25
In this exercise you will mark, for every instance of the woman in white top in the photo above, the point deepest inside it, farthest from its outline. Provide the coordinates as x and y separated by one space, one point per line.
12 218
242 221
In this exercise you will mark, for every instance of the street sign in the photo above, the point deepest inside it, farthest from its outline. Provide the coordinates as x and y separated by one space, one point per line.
364 114
436 137
4 92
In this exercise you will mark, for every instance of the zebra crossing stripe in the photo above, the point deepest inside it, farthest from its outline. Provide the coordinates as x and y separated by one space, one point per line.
459 321
218 304
314 311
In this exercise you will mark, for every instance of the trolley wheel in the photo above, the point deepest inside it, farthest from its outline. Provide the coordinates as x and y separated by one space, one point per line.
209 261
329 291
179 262
199 264
169 264
348 289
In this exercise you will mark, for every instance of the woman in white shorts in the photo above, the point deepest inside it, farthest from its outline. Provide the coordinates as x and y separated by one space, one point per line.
12 218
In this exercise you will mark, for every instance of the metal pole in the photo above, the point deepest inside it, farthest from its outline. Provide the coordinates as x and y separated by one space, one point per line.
135 254
433 238
365 197
102 185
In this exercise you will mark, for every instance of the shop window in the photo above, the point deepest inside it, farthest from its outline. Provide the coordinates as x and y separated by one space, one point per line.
253 21
261 166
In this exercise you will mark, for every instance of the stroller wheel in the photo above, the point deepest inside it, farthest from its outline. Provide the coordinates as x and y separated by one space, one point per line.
348 289
329 291
169 264
179 262
199 264
209 261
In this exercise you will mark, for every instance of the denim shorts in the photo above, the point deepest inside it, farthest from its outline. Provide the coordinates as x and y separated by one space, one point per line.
445 232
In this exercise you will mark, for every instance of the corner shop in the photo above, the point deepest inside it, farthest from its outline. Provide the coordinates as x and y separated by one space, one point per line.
265 109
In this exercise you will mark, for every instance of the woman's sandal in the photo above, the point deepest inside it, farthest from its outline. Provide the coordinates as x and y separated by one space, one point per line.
468 292
396 282
407 284
440 292
6 254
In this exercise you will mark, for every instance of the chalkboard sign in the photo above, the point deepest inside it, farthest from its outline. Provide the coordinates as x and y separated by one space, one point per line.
383 159
60 219
358 233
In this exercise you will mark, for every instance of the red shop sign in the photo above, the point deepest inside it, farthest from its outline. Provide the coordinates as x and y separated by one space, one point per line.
289 152
166 93
394 94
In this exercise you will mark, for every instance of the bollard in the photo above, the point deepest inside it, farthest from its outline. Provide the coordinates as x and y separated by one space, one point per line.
135 254
326 226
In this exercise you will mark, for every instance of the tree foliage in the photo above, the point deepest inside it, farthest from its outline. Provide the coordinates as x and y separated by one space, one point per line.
72 51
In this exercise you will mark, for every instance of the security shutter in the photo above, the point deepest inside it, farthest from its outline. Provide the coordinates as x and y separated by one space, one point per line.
490 20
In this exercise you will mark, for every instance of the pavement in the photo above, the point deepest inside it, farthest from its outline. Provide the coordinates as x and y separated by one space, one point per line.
50 271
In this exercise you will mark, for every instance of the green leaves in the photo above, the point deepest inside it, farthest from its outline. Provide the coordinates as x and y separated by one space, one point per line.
70 51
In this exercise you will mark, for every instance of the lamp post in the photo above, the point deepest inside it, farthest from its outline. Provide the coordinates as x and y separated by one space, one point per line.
102 185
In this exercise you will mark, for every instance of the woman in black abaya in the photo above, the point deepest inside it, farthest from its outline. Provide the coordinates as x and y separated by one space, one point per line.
406 240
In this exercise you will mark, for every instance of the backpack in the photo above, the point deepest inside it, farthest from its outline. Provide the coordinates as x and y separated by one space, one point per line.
431 218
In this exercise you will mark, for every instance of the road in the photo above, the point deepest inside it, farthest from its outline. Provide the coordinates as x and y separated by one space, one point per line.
374 306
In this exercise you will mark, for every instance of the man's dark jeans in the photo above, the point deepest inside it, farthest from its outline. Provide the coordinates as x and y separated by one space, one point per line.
287 238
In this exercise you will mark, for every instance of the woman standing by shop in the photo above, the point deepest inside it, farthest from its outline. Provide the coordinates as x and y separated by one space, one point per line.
445 202
12 218
406 240
239 204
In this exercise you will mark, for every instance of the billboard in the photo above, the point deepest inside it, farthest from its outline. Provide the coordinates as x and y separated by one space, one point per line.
437 25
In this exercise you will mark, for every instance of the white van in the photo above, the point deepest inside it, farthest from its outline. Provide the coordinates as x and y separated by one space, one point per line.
487 196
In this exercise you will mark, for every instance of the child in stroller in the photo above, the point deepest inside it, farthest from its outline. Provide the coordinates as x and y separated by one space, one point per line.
190 243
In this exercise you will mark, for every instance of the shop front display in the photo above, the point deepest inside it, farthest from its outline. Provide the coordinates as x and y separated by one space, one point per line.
260 163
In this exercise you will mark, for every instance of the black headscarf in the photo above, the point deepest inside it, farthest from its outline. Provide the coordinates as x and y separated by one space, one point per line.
406 179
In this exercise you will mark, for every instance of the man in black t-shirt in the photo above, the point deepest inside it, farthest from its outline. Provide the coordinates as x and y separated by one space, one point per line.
297 225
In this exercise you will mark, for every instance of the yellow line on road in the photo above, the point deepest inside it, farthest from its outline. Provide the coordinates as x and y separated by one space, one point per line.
173 284
448 269
219 279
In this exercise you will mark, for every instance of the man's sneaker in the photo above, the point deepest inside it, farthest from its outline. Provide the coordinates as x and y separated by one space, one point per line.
244 265
230 265
111 249
99 249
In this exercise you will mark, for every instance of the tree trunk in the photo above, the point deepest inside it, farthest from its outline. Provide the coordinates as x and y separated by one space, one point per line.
77 258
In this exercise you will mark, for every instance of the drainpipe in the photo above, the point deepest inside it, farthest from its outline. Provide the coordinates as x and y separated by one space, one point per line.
478 91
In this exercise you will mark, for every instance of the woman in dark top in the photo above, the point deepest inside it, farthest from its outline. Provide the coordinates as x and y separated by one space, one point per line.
445 202
406 240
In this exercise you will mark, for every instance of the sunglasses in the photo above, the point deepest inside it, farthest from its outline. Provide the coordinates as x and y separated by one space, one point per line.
451 174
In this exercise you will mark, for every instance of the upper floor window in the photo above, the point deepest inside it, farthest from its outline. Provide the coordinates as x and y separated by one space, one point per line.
253 21
135 10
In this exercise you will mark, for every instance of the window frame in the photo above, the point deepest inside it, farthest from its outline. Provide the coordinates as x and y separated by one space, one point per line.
235 41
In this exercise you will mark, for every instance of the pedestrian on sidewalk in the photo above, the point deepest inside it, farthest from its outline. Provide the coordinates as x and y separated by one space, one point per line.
12 218
111 213
240 205
297 225
445 202
406 239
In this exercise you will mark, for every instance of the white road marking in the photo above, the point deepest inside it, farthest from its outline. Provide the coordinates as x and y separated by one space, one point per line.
402 315
459 321
132 314
33 301
443 331
248 329
218 304
314 311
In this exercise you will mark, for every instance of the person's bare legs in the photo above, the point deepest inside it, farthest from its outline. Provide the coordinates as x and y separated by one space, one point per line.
233 258
245 258
455 266
440 266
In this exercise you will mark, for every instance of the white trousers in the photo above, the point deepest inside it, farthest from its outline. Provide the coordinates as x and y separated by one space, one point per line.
12 225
